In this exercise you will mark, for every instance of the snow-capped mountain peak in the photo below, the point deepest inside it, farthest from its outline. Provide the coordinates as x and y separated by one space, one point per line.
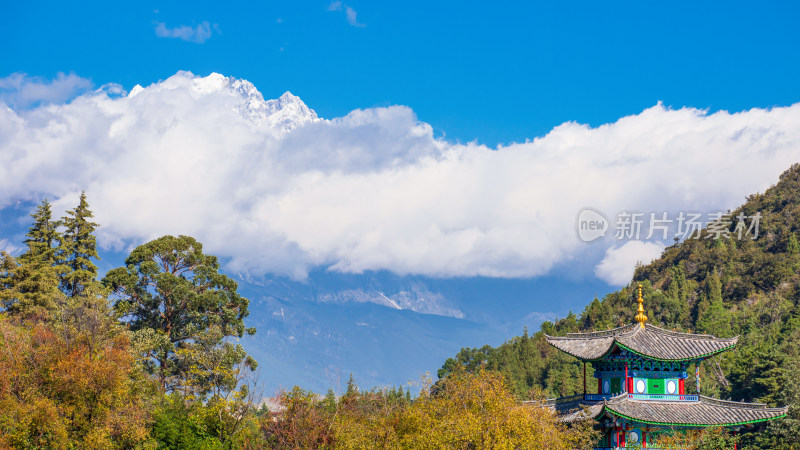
287 112
284 113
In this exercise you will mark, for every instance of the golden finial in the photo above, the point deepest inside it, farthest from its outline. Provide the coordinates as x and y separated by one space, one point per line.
640 317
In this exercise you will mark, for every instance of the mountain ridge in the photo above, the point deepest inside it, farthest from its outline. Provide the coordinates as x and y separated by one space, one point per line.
724 287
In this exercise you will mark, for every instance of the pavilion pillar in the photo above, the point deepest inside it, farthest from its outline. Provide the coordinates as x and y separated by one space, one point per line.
697 375
584 378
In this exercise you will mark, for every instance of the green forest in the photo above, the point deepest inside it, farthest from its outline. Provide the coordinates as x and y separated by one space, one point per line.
147 357
725 287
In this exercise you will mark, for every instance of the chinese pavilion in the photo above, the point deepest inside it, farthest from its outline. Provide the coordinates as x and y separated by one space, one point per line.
640 371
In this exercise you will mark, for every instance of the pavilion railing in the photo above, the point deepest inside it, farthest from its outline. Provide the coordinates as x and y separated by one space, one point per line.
598 397
655 397
665 397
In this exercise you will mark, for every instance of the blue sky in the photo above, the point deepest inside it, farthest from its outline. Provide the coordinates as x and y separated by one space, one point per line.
618 107
402 188
496 72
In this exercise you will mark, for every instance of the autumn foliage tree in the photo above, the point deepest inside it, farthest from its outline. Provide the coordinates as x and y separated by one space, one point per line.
68 378
70 385
478 410
303 422
72 375
463 411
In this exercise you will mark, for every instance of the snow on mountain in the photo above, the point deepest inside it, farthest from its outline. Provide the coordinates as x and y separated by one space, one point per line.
284 113
318 345
415 298
287 112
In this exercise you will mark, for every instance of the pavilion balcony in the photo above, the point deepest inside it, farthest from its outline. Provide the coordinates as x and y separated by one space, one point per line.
665 397
646 397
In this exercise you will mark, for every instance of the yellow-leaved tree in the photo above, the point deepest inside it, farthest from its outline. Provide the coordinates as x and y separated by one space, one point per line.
477 410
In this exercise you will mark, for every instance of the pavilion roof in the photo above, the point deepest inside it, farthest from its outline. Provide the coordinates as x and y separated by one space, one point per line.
648 341
704 412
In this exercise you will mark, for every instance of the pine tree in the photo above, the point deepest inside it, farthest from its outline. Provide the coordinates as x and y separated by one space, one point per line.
352 389
793 249
80 246
714 288
715 318
43 239
30 283
8 272
329 402
183 311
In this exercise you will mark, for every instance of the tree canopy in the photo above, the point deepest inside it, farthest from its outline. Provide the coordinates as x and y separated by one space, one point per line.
79 247
182 310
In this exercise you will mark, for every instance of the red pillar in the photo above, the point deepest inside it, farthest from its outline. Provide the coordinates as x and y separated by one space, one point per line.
584 379
681 388
599 385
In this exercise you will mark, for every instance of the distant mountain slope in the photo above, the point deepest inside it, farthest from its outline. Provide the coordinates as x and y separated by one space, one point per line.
726 287
317 331
318 345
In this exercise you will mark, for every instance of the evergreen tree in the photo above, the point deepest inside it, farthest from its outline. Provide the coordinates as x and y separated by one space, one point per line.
714 288
329 402
793 249
8 272
30 283
80 246
352 388
183 311
715 318
43 239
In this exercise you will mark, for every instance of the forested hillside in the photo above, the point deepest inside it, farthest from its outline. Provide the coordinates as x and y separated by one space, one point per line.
725 287
147 358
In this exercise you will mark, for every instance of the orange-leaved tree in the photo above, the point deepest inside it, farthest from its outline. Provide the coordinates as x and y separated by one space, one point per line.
72 384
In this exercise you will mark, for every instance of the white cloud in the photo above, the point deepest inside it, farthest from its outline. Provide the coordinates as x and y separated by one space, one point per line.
617 267
21 91
8 247
198 34
349 13
374 189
